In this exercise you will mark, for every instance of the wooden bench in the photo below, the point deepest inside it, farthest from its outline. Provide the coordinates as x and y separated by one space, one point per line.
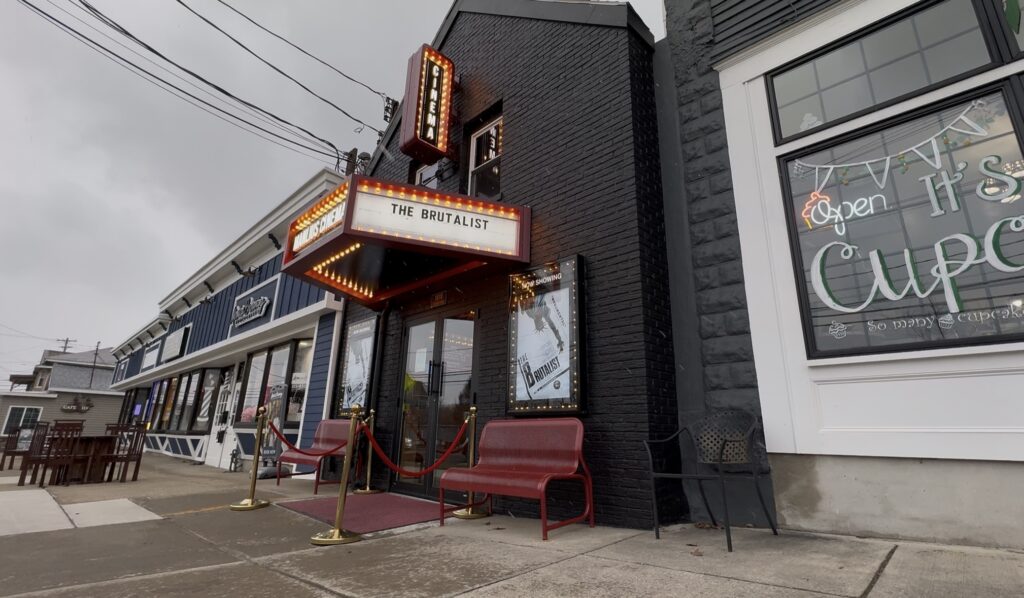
518 457
329 434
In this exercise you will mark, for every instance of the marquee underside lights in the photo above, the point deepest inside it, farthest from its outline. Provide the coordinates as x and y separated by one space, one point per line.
374 240
427 107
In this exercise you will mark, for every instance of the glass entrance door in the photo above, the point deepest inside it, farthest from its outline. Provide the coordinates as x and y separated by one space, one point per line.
437 390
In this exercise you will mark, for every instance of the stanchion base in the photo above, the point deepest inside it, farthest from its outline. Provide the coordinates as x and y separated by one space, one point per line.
366 491
469 513
335 536
250 505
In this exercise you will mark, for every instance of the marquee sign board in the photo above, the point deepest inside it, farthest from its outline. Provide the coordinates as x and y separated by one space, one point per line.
428 102
344 241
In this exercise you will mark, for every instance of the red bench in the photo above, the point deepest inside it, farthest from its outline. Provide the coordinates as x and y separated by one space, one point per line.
518 457
329 434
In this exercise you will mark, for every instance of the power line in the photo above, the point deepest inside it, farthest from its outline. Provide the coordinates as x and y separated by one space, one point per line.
316 58
23 333
125 63
98 14
239 105
279 71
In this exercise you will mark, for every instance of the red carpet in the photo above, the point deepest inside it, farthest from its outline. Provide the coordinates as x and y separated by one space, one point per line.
366 513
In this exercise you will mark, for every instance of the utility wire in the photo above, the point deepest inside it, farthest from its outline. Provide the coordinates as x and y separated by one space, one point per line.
125 63
205 91
120 29
316 58
23 333
279 71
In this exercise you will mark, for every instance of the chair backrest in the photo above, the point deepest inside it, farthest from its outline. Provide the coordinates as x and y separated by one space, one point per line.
723 437
552 445
11 442
64 438
331 432
137 434
123 437
40 435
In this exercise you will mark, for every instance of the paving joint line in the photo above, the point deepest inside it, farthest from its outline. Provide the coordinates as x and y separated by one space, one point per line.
268 566
720 576
878 572
124 579
538 568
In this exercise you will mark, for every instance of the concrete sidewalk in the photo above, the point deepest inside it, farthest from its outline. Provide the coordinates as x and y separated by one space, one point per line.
199 547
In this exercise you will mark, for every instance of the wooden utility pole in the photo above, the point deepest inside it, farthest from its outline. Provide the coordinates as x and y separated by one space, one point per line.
95 356
66 341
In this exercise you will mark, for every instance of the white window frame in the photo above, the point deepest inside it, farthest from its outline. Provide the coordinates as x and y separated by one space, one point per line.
473 166
25 409
954 403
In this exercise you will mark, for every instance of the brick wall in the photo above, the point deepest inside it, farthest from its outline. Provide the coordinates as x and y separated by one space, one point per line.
580 148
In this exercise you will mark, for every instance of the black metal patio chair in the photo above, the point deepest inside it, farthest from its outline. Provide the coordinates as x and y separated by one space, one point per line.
720 446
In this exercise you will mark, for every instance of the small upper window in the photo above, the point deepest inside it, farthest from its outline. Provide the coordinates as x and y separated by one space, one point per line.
427 176
485 161
933 46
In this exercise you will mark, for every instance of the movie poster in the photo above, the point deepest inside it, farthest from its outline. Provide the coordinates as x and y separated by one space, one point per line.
355 377
545 351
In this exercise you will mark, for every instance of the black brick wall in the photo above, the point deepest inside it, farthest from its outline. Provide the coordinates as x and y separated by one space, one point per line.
580 148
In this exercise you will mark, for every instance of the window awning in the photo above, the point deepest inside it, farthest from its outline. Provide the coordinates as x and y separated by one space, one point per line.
374 240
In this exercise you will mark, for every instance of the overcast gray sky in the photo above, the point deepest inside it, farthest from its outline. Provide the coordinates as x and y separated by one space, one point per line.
113 191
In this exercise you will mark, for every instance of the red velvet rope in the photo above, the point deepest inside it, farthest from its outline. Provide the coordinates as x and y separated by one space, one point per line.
415 474
292 447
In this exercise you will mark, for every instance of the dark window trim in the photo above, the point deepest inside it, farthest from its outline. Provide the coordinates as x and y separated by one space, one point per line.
1013 93
992 33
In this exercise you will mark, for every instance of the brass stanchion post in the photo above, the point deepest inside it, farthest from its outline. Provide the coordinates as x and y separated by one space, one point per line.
369 459
471 512
337 534
252 503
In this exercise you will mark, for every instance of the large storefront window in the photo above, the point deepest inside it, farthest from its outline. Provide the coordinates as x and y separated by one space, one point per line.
211 382
253 385
168 407
299 380
912 236
931 47
276 380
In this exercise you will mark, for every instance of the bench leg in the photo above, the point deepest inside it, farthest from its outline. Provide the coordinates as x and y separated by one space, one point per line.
544 514
316 476
278 472
440 500
588 487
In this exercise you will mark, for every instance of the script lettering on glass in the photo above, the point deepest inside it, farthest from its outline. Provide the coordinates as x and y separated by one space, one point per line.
545 354
913 237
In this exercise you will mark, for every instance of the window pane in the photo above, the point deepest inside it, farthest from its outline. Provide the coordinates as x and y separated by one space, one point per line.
14 415
913 235
179 402
165 417
932 46
487 179
253 384
211 378
300 379
190 402
30 417
277 382
427 176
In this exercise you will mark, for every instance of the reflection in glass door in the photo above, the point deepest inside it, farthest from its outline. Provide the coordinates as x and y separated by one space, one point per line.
436 393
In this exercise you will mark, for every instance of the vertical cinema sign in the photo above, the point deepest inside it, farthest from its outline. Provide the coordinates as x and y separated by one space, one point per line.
428 99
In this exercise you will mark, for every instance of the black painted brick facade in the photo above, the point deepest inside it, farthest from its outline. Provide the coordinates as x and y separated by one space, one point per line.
580 148
729 377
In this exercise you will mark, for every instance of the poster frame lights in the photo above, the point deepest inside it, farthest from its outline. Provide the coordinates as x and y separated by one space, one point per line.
548 343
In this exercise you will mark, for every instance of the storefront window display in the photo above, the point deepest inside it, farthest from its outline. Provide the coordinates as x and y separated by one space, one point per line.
911 236
299 379
188 407
211 380
168 406
253 385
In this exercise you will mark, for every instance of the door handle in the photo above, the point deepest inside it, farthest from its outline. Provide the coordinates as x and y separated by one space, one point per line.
430 378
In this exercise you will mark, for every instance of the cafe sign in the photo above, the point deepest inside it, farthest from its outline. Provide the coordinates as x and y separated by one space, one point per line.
913 236
428 100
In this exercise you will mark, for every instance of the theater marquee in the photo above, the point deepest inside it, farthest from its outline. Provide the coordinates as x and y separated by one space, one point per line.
373 240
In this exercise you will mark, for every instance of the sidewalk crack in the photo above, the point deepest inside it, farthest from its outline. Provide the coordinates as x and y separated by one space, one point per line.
878 573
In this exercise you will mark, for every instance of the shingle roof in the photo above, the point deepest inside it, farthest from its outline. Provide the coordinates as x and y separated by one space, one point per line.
104 357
